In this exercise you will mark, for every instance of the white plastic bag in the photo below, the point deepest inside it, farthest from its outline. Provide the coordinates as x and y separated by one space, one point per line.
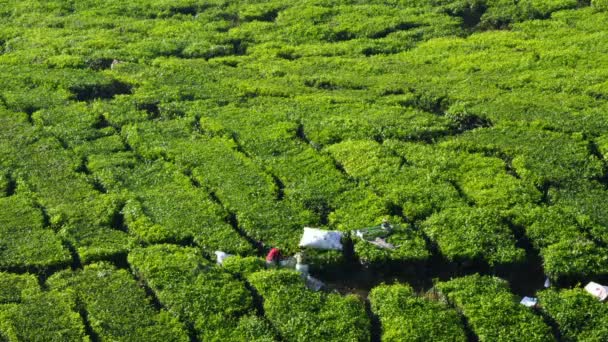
321 239
529 302
313 283
598 291
221 256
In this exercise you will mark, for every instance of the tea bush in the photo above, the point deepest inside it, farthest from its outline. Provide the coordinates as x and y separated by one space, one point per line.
300 314
492 311
578 315
405 316
209 299
116 307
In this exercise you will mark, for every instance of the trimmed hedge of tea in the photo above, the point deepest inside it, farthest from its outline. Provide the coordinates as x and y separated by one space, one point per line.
234 179
210 300
406 317
13 285
231 124
302 315
41 316
578 315
411 189
471 234
81 214
540 157
24 240
492 311
189 213
486 181
116 307
243 266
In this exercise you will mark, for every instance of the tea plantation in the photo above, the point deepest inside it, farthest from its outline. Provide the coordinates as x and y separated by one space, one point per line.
139 137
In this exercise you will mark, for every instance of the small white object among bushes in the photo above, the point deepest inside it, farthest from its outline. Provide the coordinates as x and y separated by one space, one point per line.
221 256
598 291
529 302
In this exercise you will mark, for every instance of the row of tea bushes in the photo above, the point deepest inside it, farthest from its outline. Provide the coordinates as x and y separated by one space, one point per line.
80 213
404 316
214 303
492 310
239 184
26 242
117 308
302 315
539 157
460 231
577 315
189 214
29 314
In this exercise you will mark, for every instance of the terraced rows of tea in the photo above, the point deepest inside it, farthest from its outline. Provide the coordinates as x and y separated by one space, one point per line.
139 137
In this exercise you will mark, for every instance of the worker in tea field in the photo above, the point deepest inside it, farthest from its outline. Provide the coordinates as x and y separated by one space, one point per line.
273 257
300 264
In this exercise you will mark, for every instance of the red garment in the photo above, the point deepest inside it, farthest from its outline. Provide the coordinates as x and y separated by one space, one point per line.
274 255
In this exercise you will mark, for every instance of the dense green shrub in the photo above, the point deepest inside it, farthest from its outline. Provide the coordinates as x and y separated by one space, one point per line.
409 189
189 214
600 5
117 308
25 241
13 285
486 181
539 157
244 265
473 233
492 311
41 316
578 315
208 298
232 124
574 258
405 316
301 315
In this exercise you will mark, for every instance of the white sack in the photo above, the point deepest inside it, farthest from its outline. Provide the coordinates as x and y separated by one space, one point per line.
529 302
598 291
321 239
221 256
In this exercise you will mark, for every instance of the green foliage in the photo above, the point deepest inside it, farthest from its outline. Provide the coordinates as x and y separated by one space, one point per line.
574 258
405 316
539 157
492 311
12 286
600 5
230 125
486 181
25 242
302 315
244 265
578 315
116 307
41 316
409 188
202 294
473 233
